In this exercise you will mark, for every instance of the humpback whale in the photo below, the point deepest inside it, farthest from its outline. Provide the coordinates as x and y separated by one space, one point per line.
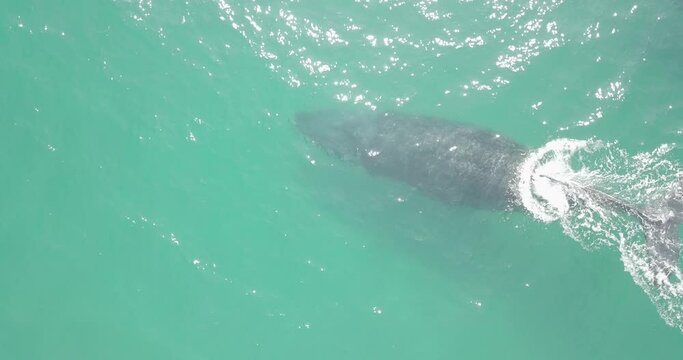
454 162
463 164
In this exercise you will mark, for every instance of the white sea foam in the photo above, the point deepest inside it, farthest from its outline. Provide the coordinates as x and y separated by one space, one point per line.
562 180
544 198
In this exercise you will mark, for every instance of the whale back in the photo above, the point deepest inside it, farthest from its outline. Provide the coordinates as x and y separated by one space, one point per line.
454 162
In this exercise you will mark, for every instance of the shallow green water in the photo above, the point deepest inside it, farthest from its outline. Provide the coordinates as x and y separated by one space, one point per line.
157 201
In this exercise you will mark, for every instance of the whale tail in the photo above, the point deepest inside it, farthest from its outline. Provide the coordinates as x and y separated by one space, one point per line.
660 222
662 233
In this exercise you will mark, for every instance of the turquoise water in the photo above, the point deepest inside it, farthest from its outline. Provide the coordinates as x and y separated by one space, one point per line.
157 201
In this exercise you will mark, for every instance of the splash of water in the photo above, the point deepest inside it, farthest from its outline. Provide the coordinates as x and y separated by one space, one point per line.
567 181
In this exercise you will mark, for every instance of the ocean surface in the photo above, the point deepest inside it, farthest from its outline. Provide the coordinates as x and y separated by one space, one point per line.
158 202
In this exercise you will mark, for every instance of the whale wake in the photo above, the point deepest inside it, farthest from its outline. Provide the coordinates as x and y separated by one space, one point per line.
631 203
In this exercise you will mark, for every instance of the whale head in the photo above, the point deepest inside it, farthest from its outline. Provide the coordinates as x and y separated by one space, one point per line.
347 135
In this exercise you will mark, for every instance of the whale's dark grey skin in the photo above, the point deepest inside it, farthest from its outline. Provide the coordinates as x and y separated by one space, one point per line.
463 164
455 162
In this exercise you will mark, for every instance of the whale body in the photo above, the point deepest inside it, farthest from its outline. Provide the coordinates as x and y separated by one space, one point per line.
463 164
457 163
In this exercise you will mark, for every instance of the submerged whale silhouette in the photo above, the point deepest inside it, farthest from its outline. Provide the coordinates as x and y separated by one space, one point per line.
464 164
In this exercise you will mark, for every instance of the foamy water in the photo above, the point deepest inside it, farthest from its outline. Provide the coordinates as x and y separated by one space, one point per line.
555 185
